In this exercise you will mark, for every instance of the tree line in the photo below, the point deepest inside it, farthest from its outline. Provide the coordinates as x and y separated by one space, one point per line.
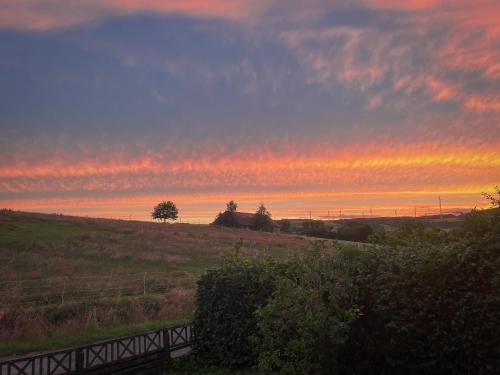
261 219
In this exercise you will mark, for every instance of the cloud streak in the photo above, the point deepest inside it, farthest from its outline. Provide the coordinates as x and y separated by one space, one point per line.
368 167
52 14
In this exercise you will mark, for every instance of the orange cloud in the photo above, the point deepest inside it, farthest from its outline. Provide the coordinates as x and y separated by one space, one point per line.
483 103
362 169
257 161
441 91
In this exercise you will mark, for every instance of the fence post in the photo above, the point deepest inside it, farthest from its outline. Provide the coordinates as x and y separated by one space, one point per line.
63 291
144 284
79 361
166 343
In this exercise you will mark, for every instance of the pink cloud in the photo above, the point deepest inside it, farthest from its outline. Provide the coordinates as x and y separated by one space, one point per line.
483 103
357 167
49 14
440 90
412 57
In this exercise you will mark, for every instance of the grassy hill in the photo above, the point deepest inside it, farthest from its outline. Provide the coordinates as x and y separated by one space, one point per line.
67 280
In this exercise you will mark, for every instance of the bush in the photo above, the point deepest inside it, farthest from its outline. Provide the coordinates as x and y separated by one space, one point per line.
306 321
226 301
414 233
426 310
419 309
286 226
482 227
351 230
316 228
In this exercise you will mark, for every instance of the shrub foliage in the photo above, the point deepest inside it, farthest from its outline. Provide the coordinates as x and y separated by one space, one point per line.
226 301
430 307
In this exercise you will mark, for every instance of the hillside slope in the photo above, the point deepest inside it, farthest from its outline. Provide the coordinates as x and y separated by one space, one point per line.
62 274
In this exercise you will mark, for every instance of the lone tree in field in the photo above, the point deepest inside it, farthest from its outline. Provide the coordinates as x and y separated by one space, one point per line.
165 211
231 206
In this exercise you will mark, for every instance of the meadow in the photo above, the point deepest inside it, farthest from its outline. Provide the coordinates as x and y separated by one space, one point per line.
72 280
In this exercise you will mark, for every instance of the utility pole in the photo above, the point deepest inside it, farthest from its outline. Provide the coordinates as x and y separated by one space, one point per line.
415 211
440 209
340 213
396 212
310 216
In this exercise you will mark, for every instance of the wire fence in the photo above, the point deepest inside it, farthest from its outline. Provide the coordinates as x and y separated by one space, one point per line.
60 290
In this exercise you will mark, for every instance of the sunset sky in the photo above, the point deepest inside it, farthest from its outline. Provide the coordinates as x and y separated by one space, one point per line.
109 106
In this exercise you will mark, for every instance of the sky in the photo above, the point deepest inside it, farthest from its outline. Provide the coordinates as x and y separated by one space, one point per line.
372 107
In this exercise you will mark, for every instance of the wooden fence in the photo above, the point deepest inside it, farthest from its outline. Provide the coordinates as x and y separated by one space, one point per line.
126 354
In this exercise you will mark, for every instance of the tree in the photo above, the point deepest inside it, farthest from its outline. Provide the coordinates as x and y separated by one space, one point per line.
286 226
316 228
231 206
262 219
262 210
351 230
494 198
165 211
228 217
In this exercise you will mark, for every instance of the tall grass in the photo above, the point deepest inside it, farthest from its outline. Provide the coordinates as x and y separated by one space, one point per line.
62 275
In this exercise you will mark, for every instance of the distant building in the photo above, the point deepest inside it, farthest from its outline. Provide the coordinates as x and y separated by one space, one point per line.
244 219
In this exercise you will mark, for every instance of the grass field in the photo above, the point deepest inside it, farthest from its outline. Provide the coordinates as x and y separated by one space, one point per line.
70 280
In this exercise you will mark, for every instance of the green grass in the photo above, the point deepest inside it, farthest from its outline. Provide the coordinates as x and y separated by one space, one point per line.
103 261
85 336
30 244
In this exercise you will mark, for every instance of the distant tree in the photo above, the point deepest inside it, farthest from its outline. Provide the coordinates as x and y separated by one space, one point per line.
352 230
262 219
228 217
316 228
231 206
165 211
262 210
286 226
412 232
494 198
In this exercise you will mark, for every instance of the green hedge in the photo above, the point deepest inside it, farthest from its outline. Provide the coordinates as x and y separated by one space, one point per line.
422 309
428 310
305 324
226 301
